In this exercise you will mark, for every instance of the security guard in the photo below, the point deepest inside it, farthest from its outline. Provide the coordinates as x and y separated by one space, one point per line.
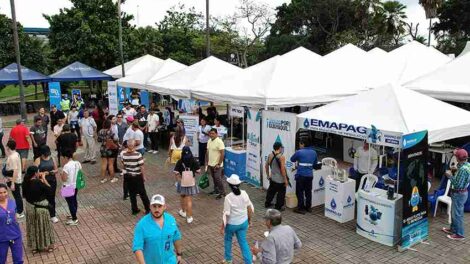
65 104
306 159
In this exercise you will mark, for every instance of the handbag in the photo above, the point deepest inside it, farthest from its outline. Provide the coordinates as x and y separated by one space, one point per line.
5 172
67 191
175 155
203 181
80 183
187 177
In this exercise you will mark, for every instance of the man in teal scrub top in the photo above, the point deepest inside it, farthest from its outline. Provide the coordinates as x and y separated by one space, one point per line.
157 239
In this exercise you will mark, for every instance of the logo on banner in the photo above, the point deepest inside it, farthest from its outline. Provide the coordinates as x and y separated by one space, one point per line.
374 214
321 125
349 203
374 135
321 182
282 125
415 199
54 92
333 204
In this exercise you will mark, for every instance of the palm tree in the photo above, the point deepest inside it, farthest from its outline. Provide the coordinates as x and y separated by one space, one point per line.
430 8
394 15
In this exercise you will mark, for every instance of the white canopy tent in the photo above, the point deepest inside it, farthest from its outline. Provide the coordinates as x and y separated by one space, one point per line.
450 82
141 79
179 84
295 78
465 50
393 109
135 66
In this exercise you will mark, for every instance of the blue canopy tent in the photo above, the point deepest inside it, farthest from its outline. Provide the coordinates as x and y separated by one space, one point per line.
9 75
78 71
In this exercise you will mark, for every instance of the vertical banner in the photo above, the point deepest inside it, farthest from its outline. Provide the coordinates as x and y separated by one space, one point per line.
191 123
414 187
279 127
253 147
113 101
54 94
144 98
187 105
76 93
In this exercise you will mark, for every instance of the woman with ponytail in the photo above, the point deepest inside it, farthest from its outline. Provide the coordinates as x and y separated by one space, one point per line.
238 210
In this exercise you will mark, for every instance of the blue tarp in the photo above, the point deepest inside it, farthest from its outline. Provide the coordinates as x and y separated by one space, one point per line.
78 71
9 75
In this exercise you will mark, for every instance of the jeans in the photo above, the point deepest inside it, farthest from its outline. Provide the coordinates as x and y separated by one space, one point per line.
136 186
17 196
303 191
51 195
75 128
240 231
16 247
202 153
280 189
457 212
154 140
2 148
141 151
73 205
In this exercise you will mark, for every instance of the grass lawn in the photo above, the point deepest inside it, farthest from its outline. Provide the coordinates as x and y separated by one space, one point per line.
14 90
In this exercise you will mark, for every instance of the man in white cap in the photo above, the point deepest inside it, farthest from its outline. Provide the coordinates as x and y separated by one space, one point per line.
157 239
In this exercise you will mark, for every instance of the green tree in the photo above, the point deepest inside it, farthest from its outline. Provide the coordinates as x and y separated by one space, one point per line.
144 40
452 29
34 51
391 23
87 32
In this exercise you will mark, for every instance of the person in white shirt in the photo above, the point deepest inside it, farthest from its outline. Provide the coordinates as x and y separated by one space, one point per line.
88 127
69 179
221 129
238 210
203 138
74 123
365 162
153 123
128 111
138 136
14 176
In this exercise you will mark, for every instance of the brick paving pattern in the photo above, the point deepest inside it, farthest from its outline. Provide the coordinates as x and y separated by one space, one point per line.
105 230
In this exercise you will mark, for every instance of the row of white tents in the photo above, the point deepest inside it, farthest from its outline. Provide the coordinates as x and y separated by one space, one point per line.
301 77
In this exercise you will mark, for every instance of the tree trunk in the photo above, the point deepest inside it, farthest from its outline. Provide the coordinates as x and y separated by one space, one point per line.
35 91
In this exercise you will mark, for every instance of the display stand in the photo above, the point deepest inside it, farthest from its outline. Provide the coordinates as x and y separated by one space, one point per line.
339 199
378 218
235 162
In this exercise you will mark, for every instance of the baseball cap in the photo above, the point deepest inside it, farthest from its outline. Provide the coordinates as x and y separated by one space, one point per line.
157 199
130 119
461 154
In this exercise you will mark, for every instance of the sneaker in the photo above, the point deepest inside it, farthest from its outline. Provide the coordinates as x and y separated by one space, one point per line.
150 151
113 180
299 211
309 210
20 216
54 219
104 180
68 217
72 222
182 213
447 230
189 220
155 152
86 161
455 237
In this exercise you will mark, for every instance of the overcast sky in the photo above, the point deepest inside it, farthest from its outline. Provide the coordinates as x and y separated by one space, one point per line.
147 12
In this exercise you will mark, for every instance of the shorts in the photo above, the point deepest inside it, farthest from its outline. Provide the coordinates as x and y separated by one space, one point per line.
23 153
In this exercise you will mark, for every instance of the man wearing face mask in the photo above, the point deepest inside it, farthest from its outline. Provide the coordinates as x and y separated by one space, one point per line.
275 168
157 239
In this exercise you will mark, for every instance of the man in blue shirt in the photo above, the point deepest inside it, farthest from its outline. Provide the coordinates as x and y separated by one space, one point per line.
157 239
306 159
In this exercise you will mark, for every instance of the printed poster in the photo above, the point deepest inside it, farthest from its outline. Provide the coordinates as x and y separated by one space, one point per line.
54 94
113 98
191 124
253 147
279 127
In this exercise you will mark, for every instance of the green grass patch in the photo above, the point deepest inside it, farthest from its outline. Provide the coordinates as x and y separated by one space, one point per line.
14 90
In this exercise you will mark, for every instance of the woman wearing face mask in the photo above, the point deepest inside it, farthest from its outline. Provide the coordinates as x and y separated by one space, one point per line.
11 233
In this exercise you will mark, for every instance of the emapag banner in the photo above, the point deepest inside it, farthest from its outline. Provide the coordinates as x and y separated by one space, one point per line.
54 94
253 147
414 188
113 98
191 124
279 127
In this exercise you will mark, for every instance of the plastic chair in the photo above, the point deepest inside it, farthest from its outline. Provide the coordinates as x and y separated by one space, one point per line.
444 199
370 180
329 162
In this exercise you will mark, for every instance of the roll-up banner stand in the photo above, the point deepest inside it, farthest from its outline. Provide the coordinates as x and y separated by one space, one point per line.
279 127
54 94
253 147
414 188
191 124
113 100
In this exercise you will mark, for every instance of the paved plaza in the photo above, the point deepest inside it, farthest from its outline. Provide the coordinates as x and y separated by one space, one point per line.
105 230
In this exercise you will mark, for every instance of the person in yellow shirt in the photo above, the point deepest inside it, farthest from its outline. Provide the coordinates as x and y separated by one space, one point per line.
215 162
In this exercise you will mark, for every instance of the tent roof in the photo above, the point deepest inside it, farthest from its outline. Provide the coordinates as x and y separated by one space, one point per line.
414 60
135 66
397 109
450 82
295 78
9 75
78 71
377 51
141 79
179 83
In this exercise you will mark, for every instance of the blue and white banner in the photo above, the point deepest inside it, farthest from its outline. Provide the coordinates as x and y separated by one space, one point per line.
191 125
144 98
113 100
253 147
279 127
54 94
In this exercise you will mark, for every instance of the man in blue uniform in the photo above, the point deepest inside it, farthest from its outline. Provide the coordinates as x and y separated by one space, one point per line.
306 159
157 239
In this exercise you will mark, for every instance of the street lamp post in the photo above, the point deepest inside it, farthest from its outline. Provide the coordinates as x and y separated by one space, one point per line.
121 52
18 60
208 40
